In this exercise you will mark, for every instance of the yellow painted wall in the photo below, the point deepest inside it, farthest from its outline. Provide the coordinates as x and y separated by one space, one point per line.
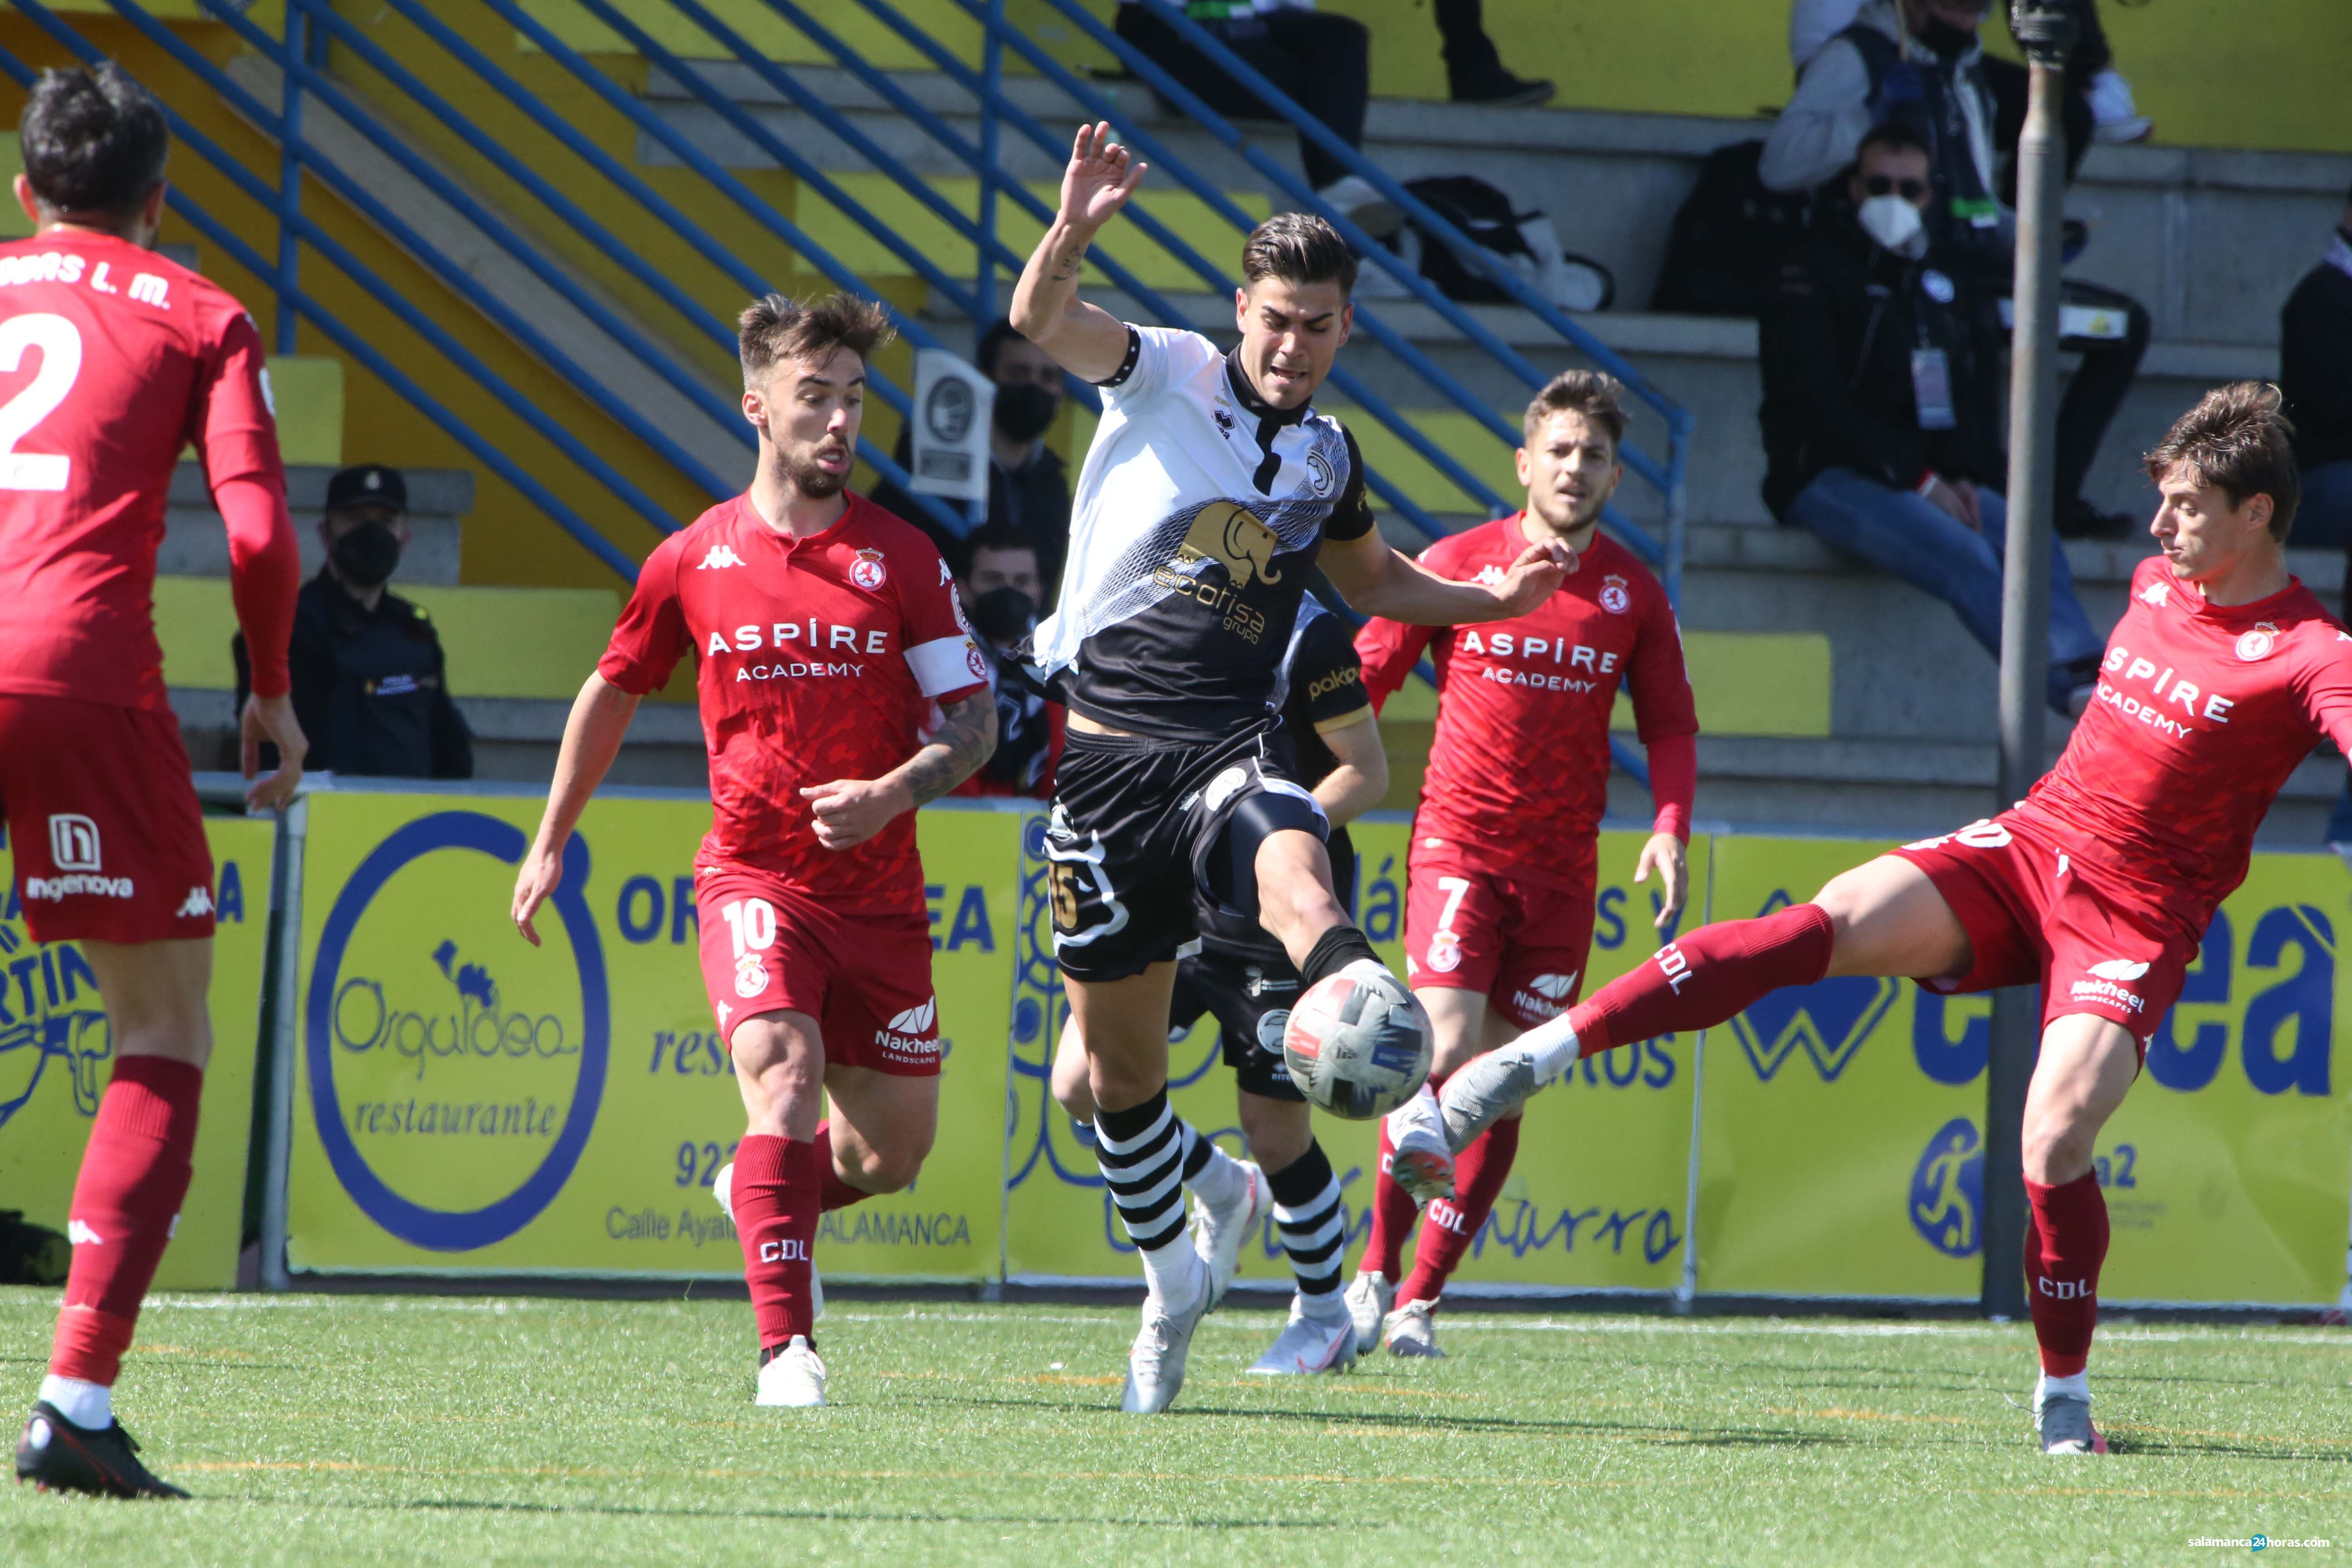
2226 73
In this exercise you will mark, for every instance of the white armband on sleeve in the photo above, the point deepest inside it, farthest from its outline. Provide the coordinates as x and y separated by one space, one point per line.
947 664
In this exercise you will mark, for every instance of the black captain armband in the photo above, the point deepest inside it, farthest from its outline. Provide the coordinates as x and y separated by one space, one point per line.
1351 516
1126 366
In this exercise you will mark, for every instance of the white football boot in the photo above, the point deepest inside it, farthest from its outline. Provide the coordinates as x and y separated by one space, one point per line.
1410 1332
793 1377
1218 1230
1155 1362
1370 1295
1424 1161
723 1187
1308 1345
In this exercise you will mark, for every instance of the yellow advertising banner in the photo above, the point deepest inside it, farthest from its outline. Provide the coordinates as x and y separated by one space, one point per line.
1842 1151
467 1103
56 1054
1596 1198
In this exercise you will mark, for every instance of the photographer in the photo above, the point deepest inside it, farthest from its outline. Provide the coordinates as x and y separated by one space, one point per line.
1919 63
1882 408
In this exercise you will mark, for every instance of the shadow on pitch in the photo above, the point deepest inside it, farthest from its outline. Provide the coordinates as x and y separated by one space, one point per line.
837 1516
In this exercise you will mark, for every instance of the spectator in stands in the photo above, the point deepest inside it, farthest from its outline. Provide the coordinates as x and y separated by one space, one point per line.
1919 63
2107 112
370 684
1028 485
1882 408
1004 589
1321 61
1473 71
2316 374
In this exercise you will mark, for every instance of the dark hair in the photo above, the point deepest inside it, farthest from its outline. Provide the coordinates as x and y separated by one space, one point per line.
992 346
92 140
1298 248
997 536
1590 393
2236 439
773 328
1895 136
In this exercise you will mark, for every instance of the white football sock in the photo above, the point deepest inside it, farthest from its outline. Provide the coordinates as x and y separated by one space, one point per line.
1175 1273
2077 1386
1324 1307
90 1404
1221 1182
1551 1048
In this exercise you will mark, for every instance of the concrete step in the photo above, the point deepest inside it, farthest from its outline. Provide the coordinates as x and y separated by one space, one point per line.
515 738
1907 788
194 545
2210 239
604 358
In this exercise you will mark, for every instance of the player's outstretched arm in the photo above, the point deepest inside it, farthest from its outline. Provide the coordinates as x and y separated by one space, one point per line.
1085 339
851 810
592 737
1378 579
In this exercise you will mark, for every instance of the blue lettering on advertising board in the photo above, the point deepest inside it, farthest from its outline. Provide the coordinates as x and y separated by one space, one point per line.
324 1028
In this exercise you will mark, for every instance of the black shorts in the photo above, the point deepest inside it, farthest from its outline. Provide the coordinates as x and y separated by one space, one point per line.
1250 996
1135 821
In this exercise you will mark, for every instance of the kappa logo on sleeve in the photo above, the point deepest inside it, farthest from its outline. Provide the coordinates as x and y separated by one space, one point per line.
721 555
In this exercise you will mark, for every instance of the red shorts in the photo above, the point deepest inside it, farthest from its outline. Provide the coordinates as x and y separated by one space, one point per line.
2030 920
865 978
1522 944
101 814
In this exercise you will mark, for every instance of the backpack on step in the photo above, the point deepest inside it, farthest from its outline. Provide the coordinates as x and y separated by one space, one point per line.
1726 238
1524 241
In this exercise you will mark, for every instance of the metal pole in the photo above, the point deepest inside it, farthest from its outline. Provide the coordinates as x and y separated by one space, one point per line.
289 172
983 287
2046 29
278 1135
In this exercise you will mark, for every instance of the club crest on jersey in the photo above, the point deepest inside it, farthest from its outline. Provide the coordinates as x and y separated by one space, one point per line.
1319 472
1613 597
867 570
1230 534
978 665
1444 953
2258 642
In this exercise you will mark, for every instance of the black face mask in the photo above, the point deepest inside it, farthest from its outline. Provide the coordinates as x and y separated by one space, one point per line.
1949 43
1023 412
365 556
1004 616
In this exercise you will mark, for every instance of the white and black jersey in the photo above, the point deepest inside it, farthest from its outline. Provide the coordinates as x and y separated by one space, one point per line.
1194 528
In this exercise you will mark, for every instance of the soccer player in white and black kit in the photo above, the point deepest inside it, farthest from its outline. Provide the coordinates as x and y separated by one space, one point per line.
1330 743
1204 505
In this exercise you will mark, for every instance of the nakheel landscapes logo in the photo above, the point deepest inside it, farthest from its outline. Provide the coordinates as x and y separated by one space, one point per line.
430 1065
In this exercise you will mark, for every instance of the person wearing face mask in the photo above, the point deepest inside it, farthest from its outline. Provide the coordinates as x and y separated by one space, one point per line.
1919 63
1006 592
370 684
1028 487
1882 408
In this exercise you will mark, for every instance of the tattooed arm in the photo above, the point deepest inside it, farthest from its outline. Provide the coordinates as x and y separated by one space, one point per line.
1085 339
851 810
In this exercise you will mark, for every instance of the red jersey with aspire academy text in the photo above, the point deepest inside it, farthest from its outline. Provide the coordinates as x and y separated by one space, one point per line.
819 658
2203 710
112 361
1518 773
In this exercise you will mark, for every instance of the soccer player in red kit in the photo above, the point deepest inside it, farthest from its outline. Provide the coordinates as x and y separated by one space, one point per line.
1502 874
824 627
2221 676
112 360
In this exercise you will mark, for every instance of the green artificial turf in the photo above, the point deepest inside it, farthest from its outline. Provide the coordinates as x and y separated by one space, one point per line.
356 1429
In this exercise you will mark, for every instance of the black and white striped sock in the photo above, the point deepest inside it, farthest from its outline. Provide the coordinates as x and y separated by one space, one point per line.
1313 1225
1143 1151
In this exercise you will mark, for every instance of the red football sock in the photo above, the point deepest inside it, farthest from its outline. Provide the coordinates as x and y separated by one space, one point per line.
1393 1217
126 1203
1698 981
776 1188
1479 1173
834 1193
2064 1244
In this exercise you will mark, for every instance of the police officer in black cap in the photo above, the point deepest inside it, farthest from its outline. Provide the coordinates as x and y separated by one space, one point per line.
370 687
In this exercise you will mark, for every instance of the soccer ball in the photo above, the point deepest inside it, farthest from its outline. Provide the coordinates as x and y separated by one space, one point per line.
1358 1044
